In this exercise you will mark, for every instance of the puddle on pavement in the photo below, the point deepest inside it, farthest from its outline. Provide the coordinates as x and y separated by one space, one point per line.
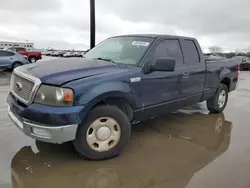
163 152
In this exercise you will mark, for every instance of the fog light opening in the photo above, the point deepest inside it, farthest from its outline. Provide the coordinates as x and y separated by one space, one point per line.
41 132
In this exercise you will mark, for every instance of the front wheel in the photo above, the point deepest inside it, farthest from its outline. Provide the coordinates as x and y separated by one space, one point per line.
218 103
16 64
104 133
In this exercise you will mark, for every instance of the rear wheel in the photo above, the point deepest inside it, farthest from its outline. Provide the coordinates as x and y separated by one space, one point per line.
32 59
218 103
104 133
16 64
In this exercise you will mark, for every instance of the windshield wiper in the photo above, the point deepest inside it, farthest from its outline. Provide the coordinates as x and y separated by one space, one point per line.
105 59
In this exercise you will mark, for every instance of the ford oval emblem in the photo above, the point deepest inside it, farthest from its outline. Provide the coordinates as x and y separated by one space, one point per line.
19 86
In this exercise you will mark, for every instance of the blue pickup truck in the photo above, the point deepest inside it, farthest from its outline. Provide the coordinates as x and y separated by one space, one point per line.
93 101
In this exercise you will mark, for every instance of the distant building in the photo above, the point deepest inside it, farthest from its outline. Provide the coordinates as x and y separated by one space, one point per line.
28 45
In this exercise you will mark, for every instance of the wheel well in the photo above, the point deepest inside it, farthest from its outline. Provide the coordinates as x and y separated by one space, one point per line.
121 103
15 63
226 81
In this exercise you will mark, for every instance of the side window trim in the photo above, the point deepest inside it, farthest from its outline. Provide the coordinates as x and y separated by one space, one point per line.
182 53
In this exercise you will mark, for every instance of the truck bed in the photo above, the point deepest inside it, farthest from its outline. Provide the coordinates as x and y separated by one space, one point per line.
218 69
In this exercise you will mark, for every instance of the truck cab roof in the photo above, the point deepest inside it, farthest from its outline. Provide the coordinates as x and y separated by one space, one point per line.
155 36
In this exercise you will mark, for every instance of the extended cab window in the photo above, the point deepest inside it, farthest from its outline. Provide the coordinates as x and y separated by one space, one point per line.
121 50
191 54
169 48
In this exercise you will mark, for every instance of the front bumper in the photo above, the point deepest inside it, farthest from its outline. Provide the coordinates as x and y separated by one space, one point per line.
46 123
42 132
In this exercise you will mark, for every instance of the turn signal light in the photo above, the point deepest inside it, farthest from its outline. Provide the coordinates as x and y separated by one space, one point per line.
68 95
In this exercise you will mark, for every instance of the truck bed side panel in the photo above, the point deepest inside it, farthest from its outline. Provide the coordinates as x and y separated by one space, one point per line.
216 72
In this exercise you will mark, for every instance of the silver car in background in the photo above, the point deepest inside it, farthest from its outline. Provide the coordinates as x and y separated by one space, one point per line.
11 60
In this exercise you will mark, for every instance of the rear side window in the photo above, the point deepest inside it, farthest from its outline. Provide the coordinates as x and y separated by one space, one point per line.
169 49
191 55
4 54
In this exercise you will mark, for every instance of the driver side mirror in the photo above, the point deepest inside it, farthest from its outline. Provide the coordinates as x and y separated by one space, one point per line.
162 64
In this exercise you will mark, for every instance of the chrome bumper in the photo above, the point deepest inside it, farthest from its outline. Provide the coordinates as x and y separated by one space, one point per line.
44 133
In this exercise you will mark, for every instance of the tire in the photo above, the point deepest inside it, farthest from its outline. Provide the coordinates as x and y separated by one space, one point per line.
32 59
215 104
109 120
16 64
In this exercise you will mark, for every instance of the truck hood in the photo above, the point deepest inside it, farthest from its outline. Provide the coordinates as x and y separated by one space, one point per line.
61 71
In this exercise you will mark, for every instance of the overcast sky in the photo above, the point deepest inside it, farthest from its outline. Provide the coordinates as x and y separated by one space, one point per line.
64 24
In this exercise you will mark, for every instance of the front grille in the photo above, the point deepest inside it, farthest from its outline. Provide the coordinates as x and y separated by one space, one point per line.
21 87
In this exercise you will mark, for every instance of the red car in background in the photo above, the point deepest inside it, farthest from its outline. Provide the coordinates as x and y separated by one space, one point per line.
31 56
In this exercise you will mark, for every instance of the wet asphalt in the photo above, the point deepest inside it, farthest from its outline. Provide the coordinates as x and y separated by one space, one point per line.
188 148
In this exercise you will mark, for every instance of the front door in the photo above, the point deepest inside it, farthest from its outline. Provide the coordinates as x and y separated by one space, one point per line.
161 91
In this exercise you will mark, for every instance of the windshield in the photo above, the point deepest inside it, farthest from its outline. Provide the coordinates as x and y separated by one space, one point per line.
121 50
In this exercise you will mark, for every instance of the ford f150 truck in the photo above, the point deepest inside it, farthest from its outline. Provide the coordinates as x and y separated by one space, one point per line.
32 56
93 101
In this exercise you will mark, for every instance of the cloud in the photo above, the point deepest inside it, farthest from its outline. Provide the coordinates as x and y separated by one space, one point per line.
196 15
65 24
198 18
31 6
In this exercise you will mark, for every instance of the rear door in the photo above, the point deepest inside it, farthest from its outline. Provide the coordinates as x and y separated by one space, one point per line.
196 71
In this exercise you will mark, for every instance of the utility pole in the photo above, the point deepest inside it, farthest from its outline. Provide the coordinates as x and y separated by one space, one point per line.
92 24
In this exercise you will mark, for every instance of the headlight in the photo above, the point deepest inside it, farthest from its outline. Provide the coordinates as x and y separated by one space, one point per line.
54 96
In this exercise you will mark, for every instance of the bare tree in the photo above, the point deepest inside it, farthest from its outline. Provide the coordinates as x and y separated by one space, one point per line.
215 49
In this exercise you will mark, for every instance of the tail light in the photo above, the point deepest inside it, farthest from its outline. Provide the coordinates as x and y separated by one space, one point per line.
25 56
238 69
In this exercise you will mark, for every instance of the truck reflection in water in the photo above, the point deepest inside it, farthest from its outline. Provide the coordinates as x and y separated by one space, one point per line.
164 152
